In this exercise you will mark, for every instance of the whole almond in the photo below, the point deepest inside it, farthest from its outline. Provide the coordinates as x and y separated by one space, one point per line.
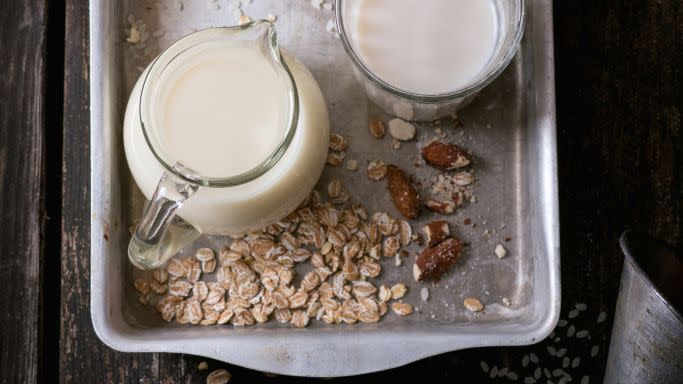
433 262
445 156
403 193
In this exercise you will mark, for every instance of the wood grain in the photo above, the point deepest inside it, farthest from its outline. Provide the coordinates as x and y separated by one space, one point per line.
83 358
22 102
621 165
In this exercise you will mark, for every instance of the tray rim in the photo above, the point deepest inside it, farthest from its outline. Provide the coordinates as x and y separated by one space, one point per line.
356 355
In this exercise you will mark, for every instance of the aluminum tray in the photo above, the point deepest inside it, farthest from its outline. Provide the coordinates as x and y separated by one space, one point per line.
510 128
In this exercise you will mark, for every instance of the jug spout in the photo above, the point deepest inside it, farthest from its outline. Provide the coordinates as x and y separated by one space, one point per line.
262 34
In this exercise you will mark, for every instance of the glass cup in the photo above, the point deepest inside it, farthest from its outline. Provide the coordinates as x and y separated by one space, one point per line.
426 107
221 204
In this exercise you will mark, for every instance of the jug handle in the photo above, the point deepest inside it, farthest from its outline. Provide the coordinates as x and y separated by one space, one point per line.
158 236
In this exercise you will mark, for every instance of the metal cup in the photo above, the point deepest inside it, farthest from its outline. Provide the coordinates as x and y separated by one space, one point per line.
647 335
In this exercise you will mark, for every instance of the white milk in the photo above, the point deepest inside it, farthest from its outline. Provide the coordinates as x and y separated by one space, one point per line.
427 46
224 112
223 116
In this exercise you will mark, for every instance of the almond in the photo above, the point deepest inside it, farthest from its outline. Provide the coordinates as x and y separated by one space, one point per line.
403 193
439 206
436 232
445 156
433 262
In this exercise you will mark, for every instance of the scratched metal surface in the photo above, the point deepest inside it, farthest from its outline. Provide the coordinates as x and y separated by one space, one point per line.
510 130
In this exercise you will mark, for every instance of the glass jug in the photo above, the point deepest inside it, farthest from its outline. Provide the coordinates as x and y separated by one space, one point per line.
227 194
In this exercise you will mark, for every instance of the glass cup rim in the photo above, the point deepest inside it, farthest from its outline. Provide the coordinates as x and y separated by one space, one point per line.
432 98
165 58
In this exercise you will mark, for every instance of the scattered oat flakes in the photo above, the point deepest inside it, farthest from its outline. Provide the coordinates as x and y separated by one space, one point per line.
203 366
506 301
473 304
254 274
300 319
334 188
204 254
338 142
160 275
405 232
335 158
398 260
396 144
363 289
377 170
424 293
401 309
401 129
500 251
384 293
352 165
377 128
209 266
142 286
404 110
398 291
176 268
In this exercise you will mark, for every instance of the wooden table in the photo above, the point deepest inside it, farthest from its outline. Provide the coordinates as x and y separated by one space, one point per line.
619 104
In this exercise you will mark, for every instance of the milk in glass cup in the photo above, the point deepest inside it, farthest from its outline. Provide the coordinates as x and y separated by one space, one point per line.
421 60
224 132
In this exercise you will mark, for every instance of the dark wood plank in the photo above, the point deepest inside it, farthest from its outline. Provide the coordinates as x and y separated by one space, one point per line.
22 104
83 358
621 165
621 147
